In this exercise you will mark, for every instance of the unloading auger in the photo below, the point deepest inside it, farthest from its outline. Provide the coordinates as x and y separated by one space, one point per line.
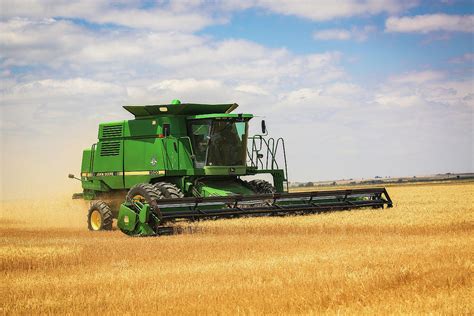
186 162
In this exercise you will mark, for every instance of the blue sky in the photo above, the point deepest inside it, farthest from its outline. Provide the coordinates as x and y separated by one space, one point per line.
380 52
358 88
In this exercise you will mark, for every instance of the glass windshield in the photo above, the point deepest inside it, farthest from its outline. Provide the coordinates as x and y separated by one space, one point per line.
221 142
200 135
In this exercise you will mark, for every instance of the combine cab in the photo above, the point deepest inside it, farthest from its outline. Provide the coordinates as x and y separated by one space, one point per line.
185 161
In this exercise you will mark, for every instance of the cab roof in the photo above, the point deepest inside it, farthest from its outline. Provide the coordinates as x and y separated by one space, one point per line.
179 109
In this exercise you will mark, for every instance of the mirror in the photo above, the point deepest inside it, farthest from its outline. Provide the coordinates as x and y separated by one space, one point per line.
264 127
71 176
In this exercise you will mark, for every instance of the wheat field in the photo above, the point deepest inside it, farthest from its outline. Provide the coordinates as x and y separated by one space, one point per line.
415 258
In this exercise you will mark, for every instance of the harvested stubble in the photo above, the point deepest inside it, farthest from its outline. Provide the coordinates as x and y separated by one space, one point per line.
414 258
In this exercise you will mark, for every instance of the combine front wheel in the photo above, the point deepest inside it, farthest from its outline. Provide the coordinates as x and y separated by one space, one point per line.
144 193
261 187
169 190
142 224
99 216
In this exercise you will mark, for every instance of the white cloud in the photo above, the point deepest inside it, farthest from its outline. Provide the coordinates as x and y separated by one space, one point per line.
64 88
345 89
252 89
466 58
355 33
166 17
189 16
186 85
399 100
424 88
117 55
430 23
418 77
158 20
324 10
323 96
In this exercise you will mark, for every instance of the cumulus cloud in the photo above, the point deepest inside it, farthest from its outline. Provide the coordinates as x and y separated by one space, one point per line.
76 66
53 44
430 23
355 33
189 16
52 88
425 88
322 97
324 10
165 17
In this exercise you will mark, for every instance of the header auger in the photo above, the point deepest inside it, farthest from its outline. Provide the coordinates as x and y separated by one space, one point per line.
185 161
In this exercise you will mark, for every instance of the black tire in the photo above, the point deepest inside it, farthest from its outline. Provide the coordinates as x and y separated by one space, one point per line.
144 192
169 190
261 187
99 216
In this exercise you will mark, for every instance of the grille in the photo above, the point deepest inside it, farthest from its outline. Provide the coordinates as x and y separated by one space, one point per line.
110 149
109 131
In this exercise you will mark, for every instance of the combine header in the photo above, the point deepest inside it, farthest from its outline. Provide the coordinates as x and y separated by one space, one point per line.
185 161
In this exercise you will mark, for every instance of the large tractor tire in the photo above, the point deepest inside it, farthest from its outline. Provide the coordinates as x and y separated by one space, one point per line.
261 187
99 216
169 190
144 192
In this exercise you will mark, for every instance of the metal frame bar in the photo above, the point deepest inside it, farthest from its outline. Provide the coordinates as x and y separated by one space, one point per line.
277 203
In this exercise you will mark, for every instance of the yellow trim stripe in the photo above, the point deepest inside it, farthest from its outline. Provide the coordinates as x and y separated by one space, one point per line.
137 173
119 173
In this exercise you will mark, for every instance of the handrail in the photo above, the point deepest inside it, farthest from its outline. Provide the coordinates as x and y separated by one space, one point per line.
284 157
263 153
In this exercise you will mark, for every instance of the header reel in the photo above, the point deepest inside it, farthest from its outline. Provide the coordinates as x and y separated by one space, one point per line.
147 218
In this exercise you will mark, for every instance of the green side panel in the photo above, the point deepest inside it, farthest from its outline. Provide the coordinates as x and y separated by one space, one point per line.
108 163
127 219
144 160
143 128
153 127
135 225
86 161
222 188
95 185
171 153
149 152
225 170
185 152
144 214
86 181
277 174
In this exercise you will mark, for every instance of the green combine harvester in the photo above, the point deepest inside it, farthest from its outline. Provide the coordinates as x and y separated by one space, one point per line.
186 162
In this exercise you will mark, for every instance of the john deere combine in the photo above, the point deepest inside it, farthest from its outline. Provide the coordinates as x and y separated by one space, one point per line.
186 161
